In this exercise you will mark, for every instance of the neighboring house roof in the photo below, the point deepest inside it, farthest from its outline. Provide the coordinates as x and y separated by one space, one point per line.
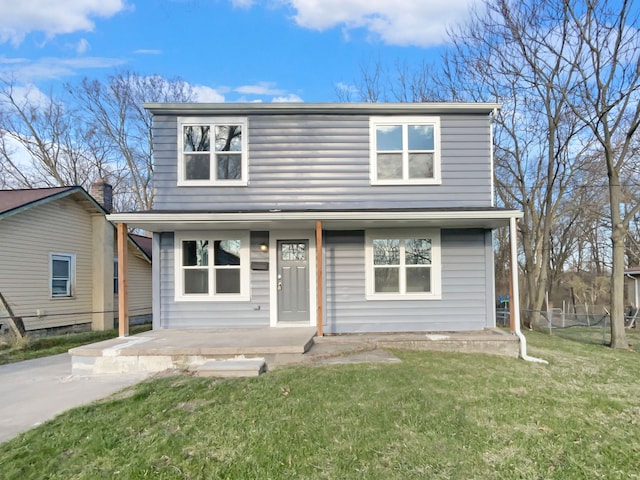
15 201
632 271
143 243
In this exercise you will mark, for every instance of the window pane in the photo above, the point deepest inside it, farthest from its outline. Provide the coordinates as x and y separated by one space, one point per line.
228 280
226 252
420 137
389 166
60 268
195 253
389 137
196 138
229 167
59 287
421 165
293 251
418 279
197 167
418 251
387 280
229 138
196 281
386 252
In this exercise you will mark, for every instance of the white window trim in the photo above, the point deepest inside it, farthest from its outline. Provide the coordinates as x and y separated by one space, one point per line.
71 257
404 121
212 121
245 270
436 263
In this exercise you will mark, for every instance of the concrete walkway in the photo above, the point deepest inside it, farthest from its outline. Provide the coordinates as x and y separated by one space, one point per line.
34 391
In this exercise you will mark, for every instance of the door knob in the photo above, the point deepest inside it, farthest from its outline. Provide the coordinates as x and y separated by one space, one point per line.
279 286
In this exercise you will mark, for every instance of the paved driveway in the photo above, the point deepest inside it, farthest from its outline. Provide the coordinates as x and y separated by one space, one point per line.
34 391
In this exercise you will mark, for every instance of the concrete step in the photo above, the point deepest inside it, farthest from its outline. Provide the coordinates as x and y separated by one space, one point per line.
243 367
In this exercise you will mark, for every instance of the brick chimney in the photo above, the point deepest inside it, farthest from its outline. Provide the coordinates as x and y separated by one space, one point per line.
102 192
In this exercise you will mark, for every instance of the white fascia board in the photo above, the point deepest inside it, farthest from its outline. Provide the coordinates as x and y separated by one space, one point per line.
319 108
166 221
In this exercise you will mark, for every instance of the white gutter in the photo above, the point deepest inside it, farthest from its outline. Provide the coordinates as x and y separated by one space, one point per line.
515 301
312 215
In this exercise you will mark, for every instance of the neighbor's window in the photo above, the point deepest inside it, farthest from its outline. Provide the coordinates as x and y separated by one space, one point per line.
213 152
115 276
62 271
213 267
405 150
403 264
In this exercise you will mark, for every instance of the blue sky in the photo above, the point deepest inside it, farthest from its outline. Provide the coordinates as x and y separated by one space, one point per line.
228 50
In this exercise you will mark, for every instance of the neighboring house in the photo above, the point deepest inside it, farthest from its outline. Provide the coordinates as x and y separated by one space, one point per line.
633 290
349 217
57 259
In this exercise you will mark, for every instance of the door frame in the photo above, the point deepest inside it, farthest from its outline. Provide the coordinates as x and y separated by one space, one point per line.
274 236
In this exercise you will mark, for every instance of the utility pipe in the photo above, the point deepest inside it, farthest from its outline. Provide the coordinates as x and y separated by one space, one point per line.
515 299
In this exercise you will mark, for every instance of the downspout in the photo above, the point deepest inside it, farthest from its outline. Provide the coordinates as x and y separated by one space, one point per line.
515 300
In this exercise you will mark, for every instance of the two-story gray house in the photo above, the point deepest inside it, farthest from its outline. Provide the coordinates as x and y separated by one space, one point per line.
348 217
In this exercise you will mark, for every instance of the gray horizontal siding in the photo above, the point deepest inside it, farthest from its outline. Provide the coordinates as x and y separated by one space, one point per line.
323 162
254 313
465 288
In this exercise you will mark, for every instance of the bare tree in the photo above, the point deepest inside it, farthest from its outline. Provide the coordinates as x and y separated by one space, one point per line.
115 112
40 140
607 100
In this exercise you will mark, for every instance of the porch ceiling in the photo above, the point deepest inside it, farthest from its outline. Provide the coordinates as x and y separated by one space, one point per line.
331 220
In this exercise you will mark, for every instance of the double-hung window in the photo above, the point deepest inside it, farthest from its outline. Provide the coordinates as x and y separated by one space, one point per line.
62 266
212 266
403 264
405 150
212 151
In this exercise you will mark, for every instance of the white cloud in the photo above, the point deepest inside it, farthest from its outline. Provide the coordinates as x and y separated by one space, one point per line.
292 97
82 46
396 22
147 51
205 94
242 3
25 70
19 18
29 93
261 88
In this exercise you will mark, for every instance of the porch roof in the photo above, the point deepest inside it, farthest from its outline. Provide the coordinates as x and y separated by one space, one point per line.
167 221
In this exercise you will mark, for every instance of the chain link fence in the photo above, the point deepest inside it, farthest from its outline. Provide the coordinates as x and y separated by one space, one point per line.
585 324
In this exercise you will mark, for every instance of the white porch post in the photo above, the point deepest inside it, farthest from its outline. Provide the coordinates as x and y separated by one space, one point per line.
515 295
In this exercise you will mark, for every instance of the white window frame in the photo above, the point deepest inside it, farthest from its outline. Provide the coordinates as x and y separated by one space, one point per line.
211 296
212 122
71 259
436 264
405 122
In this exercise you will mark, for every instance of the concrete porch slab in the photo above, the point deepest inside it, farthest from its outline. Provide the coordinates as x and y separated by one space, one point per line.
184 349
490 341
159 350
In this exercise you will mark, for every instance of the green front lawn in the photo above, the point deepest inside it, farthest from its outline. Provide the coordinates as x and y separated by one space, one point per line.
43 347
433 416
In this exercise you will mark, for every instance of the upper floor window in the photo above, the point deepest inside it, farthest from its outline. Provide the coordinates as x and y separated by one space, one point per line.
212 151
405 150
